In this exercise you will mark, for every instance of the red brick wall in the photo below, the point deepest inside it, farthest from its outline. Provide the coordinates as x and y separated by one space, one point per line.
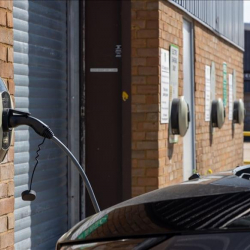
226 151
7 167
170 26
145 96
156 163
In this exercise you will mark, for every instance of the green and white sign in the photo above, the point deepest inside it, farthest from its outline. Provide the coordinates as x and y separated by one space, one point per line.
225 84
174 83
234 84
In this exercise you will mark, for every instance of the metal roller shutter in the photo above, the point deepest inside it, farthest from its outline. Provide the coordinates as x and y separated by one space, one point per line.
40 73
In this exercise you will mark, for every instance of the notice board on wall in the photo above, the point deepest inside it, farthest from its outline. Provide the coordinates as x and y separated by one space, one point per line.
207 93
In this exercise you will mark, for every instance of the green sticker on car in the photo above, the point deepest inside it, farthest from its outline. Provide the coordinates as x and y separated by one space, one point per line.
93 227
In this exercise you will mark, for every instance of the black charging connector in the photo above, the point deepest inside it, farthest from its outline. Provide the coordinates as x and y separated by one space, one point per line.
13 118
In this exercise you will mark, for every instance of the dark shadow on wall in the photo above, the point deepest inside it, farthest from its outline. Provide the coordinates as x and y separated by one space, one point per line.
41 88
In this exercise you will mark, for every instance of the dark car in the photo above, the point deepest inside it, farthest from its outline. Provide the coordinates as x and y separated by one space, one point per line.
207 213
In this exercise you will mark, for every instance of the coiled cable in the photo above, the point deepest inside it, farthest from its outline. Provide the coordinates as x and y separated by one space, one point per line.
37 156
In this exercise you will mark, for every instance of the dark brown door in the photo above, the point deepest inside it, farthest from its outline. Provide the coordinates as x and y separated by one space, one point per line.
104 104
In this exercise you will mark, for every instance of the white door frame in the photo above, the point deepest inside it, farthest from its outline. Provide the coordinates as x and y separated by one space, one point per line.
192 104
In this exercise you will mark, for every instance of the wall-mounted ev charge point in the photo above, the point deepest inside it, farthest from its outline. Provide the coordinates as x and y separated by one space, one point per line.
5 136
238 111
180 116
218 113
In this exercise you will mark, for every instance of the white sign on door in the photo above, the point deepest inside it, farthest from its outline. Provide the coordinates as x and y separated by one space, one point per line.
174 84
174 69
207 93
164 86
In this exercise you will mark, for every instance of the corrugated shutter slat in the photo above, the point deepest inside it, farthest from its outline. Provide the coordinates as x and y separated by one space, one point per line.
40 72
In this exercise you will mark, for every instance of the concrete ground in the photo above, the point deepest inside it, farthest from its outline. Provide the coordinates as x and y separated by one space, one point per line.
246 153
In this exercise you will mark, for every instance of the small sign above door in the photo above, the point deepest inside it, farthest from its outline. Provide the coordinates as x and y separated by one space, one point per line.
106 70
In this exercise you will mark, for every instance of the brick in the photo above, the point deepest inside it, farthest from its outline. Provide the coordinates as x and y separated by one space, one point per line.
3 224
134 71
138 136
147 34
138 24
9 20
7 239
154 61
138 43
6 70
147 89
139 79
147 181
149 126
152 99
11 221
148 71
6 206
2 17
152 172
139 61
152 154
3 190
138 191
6 171
134 163
147 14
147 108
138 5
153 117
148 52
138 172
150 189
152 135
152 24
11 86
153 5
6 4
10 55
3 53
6 36
11 188
138 154
153 80
138 117
138 99
147 145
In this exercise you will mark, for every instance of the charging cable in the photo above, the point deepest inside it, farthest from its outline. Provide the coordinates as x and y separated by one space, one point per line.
13 118
80 170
